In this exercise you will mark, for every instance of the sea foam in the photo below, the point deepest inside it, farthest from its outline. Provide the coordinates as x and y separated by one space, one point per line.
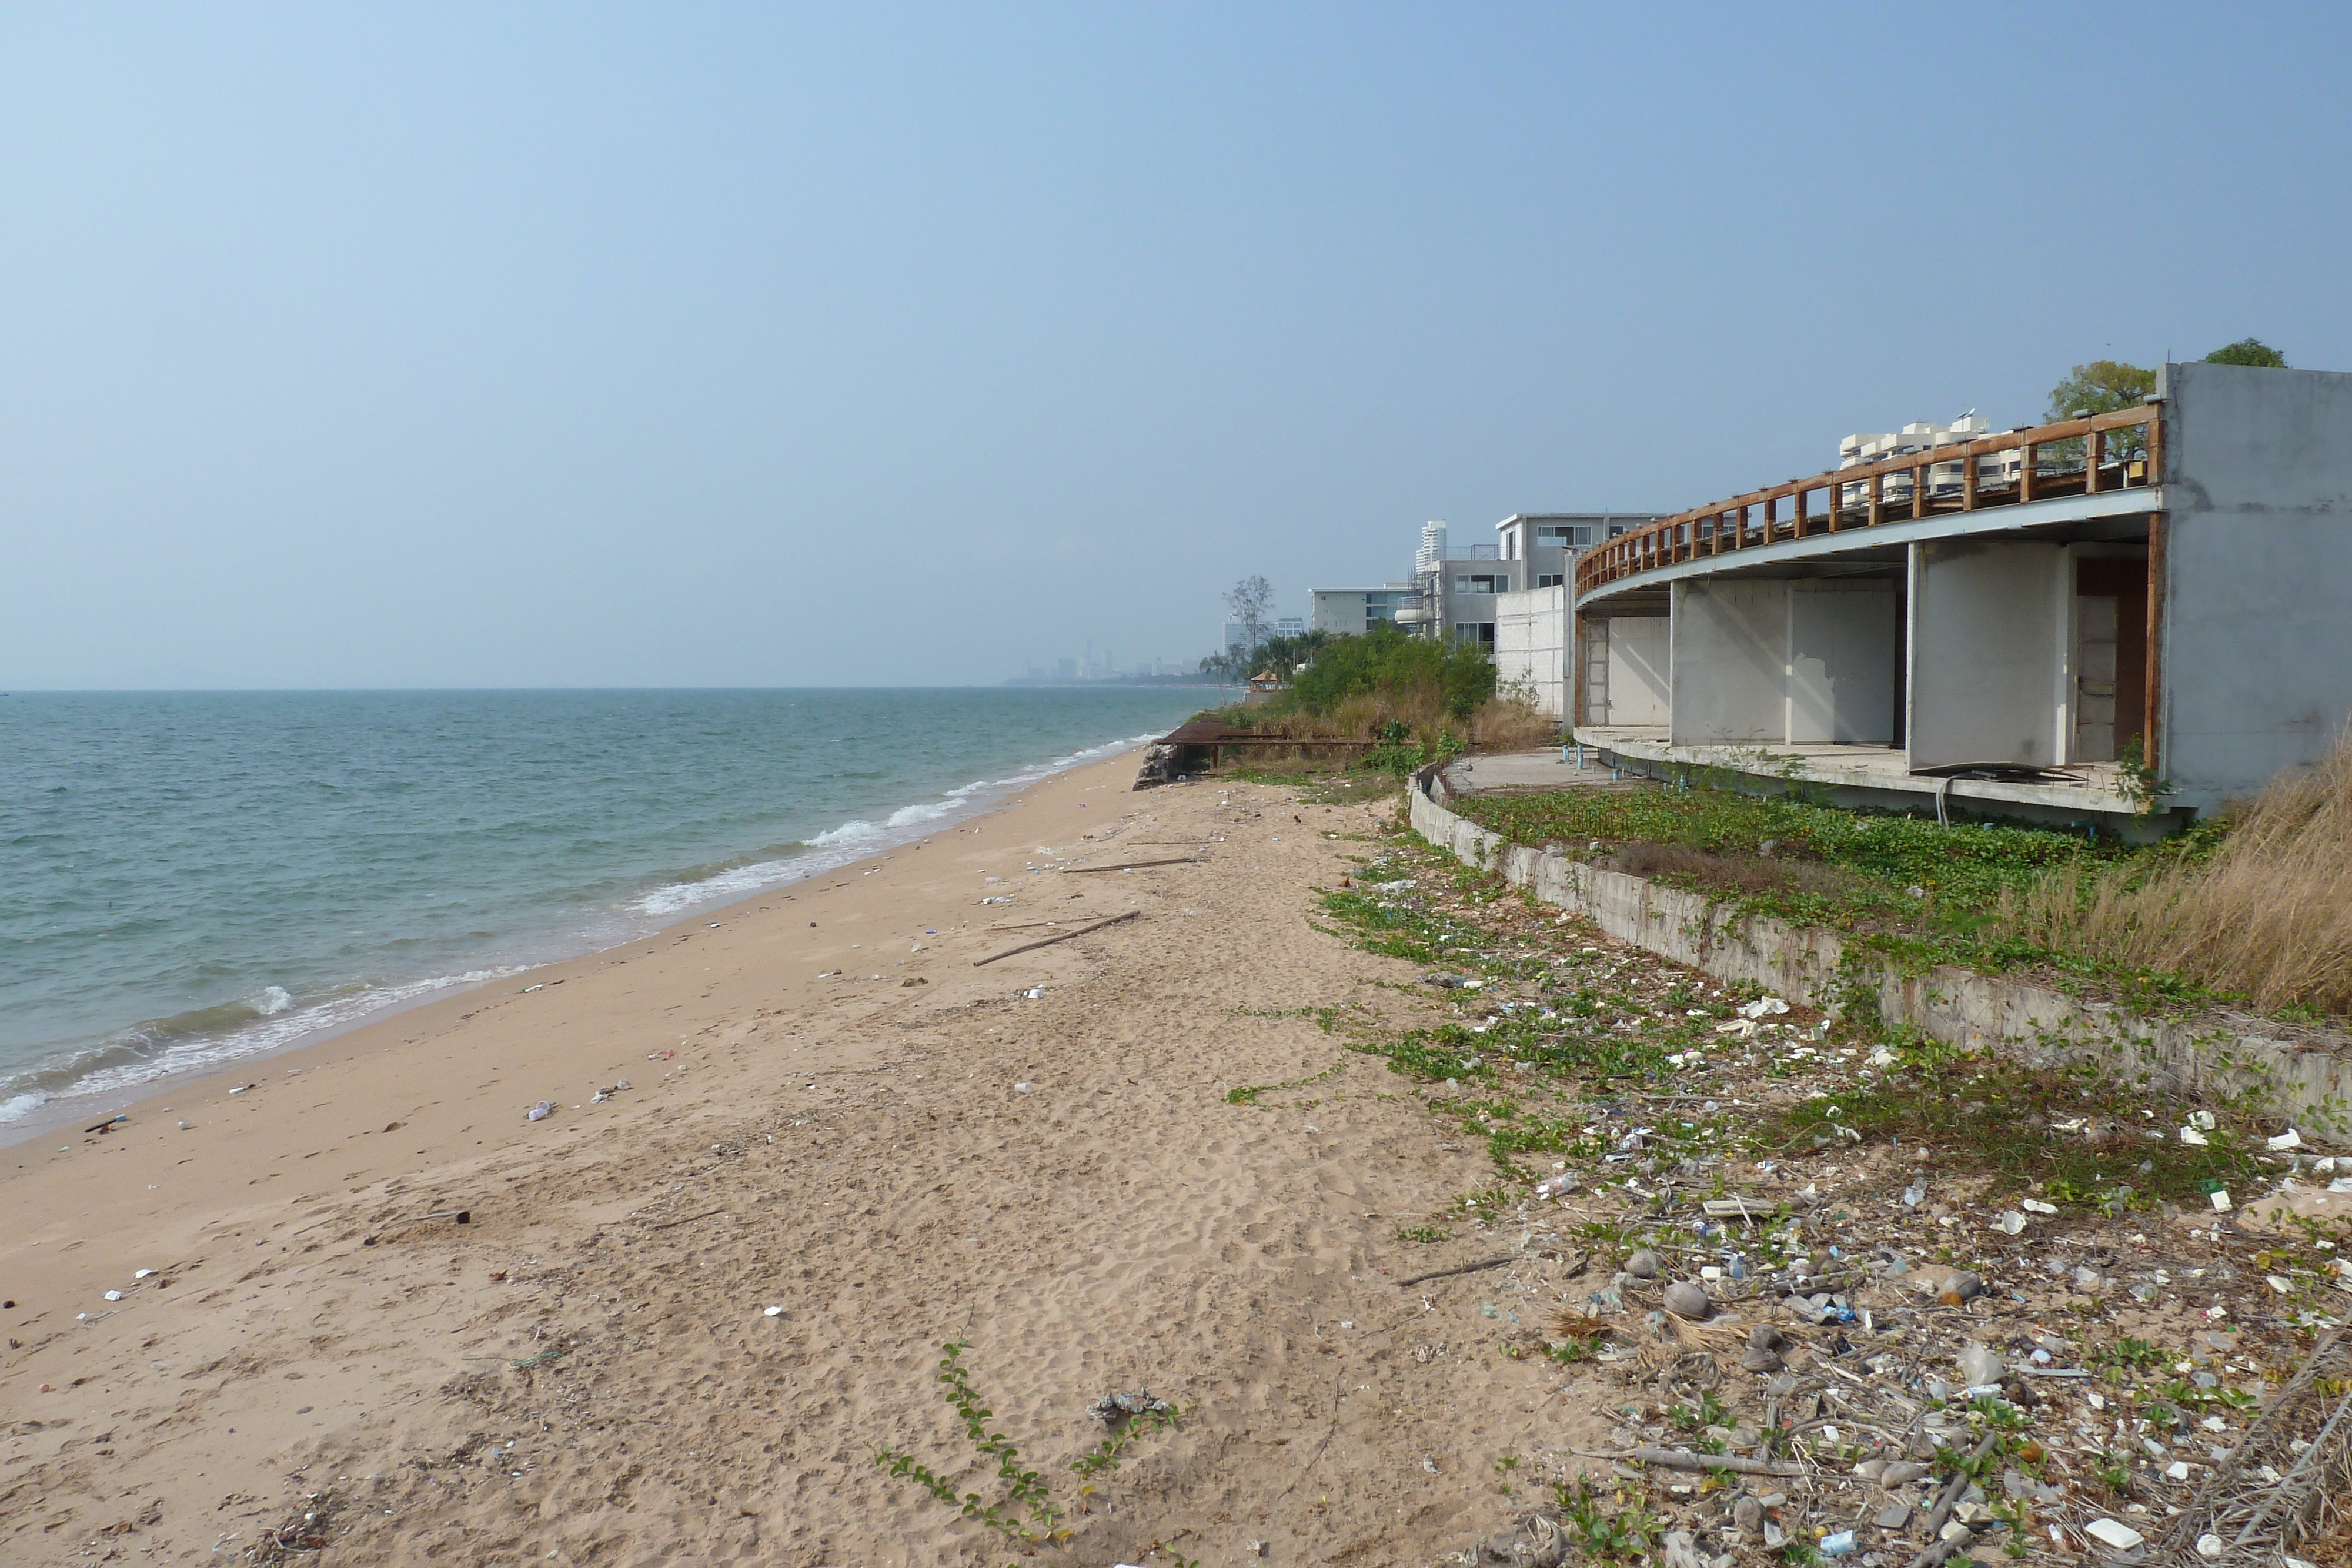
856 838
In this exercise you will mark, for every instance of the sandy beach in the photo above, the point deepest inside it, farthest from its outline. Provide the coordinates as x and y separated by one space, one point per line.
680 1323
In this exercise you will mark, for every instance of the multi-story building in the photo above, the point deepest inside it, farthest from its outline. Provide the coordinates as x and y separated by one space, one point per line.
1509 597
1349 611
1993 469
1462 586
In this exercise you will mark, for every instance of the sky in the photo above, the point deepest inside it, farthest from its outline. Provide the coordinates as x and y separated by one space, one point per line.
752 346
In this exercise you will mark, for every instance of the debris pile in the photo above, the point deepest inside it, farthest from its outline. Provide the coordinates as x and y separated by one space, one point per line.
1159 767
1859 1296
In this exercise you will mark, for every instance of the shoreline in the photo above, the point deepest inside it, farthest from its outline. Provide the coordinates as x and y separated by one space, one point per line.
683 1315
74 1107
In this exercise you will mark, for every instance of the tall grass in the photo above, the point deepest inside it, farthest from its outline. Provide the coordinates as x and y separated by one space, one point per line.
1498 724
2268 916
1435 688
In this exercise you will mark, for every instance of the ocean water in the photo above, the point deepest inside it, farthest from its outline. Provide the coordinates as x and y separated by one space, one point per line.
186 878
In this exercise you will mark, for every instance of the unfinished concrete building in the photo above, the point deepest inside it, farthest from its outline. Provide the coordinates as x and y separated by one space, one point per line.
2158 594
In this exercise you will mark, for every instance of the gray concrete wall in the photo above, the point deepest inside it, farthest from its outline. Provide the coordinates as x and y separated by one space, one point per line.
1841 649
1640 651
1729 665
2306 1078
1531 645
1337 610
2257 639
1987 645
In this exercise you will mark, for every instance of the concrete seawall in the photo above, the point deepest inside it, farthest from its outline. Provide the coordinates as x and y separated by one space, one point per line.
2305 1080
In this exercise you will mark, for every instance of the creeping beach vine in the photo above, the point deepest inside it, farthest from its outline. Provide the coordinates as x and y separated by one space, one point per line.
1025 1493
1026 1511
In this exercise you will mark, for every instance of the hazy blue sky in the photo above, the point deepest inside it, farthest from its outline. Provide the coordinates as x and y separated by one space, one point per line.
432 345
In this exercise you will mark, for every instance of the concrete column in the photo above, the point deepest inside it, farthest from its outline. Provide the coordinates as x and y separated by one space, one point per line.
1730 660
1989 627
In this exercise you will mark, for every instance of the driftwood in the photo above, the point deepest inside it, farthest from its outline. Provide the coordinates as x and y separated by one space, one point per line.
1132 865
2306 1431
1490 1263
1938 1548
1683 1460
1463 1268
1049 941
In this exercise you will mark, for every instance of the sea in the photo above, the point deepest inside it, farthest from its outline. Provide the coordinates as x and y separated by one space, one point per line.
187 879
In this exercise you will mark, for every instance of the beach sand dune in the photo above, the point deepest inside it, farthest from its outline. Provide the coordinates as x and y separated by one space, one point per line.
831 1112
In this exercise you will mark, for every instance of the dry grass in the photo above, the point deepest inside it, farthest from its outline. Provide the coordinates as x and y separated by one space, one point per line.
1731 873
2267 916
1500 724
1507 723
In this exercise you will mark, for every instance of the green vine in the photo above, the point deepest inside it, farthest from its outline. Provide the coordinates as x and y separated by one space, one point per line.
1247 1093
1105 1455
1025 1491
2141 784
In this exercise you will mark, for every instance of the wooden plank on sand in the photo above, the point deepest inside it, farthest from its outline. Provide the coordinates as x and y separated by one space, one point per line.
1048 942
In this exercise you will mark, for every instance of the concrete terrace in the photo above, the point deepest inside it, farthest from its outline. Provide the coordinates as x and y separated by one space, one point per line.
1853 776
1877 776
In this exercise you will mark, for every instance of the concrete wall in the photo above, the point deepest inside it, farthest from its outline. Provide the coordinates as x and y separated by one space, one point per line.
2255 662
1636 675
1775 661
1842 649
2304 1077
1729 663
1345 610
1531 645
1337 610
1988 654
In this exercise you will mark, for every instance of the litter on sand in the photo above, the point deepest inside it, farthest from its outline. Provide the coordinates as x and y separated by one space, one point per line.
1119 1406
2114 1533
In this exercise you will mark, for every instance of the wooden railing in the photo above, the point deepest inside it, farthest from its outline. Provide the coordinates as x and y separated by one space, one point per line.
2003 470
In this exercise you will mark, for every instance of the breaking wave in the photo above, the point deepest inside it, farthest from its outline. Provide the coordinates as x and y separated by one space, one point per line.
126 1061
852 840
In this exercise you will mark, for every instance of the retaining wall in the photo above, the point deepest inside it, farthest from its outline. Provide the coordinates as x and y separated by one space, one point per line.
2306 1081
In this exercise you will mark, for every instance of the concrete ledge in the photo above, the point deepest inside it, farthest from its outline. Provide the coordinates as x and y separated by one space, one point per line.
1857 777
2305 1080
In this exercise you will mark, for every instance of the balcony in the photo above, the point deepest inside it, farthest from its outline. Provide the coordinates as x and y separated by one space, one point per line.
2081 457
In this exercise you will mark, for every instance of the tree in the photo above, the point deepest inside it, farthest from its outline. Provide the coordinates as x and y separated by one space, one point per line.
1284 655
1228 665
1250 599
2102 386
2248 352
